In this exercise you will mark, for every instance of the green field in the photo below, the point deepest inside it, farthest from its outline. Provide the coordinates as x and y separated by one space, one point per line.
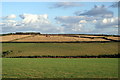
60 68
60 49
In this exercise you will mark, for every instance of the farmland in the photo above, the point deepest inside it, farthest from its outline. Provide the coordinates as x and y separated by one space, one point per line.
57 45
59 49
60 68
12 37
57 38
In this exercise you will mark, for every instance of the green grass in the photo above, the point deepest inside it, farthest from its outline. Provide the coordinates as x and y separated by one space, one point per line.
60 68
60 49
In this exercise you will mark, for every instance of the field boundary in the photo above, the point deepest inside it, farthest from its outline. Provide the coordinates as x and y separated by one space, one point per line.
84 56
63 42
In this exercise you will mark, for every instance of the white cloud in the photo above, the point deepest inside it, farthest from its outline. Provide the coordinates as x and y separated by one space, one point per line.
33 18
77 27
100 18
83 21
71 23
94 21
67 24
66 5
87 24
107 23
104 21
12 16
10 21
30 22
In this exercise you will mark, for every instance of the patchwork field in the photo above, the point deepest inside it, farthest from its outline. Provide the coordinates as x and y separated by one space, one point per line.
59 49
60 68
56 38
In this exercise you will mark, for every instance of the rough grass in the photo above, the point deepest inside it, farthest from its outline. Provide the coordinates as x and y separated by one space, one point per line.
60 49
60 68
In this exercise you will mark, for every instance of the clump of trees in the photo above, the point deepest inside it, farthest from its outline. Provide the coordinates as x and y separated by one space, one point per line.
4 53
27 33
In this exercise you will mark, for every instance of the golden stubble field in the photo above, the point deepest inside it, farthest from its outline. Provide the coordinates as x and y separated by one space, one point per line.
54 38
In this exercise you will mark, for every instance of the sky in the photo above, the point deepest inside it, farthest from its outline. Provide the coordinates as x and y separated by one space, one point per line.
60 17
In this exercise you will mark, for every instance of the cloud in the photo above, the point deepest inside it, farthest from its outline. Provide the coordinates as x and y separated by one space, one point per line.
100 18
12 16
68 19
71 23
77 13
86 24
73 27
30 22
97 11
94 21
33 18
75 19
83 21
66 5
105 31
107 23
115 5
65 24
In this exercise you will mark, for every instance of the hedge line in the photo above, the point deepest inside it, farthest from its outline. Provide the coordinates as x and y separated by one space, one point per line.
84 56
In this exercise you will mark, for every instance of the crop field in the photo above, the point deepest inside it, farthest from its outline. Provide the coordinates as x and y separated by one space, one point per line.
55 38
59 49
12 37
60 68
114 38
44 38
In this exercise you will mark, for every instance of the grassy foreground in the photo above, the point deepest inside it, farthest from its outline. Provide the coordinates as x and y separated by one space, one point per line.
60 68
60 49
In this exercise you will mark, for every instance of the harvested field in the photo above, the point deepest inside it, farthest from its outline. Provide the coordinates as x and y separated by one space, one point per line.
12 37
56 38
113 38
89 36
44 38
94 36
90 39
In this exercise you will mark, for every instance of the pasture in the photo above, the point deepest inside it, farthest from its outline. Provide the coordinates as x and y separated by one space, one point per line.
59 49
60 68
